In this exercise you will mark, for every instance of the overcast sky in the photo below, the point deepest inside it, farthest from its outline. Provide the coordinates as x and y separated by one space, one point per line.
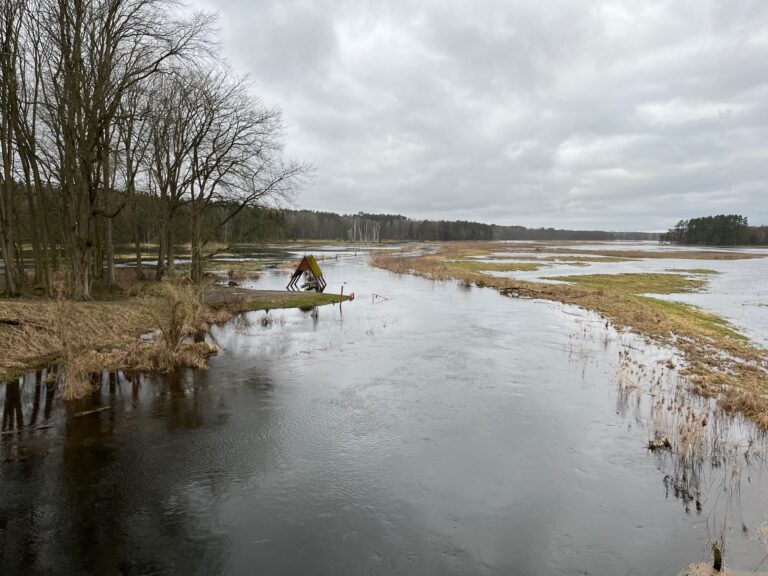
622 115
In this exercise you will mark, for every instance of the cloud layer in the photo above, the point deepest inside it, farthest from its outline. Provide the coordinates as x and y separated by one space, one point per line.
580 114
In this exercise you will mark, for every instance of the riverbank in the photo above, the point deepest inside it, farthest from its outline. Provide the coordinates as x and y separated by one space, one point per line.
719 362
159 329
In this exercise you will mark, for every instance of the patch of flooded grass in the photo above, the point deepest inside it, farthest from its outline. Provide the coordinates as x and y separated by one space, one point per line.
232 265
238 300
664 255
589 259
479 266
637 283
705 271
694 318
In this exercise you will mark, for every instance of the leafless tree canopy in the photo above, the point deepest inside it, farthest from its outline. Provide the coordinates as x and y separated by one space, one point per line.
120 107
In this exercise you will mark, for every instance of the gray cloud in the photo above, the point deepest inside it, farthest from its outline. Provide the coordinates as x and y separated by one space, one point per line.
613 114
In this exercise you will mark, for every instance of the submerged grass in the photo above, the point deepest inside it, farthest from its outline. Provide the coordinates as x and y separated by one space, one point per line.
694 318
588 259
243 300
234 265
638 286
638 283
480 266
720 362
664 255
706 271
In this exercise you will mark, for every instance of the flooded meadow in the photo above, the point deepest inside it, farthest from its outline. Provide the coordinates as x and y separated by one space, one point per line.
426 427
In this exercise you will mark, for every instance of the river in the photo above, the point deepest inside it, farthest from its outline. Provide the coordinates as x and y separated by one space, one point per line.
423 428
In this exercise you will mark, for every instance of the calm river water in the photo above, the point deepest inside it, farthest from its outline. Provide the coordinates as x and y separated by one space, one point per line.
437 430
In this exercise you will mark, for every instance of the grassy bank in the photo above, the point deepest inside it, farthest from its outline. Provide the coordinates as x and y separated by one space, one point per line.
243 299
720 363
82 338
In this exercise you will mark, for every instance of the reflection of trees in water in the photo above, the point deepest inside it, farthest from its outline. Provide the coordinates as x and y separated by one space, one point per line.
12 416
97 502
26 395
177 401
29 402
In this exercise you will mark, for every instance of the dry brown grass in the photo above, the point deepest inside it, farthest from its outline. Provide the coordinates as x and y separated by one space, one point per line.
176 310
73 335
84 338
719 362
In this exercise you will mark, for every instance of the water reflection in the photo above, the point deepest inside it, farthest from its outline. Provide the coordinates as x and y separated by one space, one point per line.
444 431
12 415
87 502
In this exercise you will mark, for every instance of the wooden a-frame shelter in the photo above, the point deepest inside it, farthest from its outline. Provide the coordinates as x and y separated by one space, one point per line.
314 277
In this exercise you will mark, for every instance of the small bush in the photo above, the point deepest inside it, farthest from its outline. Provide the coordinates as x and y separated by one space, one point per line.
176 309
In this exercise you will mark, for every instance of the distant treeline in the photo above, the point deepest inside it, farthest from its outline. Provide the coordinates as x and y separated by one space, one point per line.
720 230
276 225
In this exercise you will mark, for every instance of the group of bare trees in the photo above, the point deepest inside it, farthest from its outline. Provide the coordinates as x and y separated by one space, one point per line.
107 102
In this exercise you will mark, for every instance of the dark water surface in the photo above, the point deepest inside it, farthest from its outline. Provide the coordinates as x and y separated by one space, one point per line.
444 431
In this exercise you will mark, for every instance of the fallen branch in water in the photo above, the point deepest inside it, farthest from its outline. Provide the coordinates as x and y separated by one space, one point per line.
27 429
86 412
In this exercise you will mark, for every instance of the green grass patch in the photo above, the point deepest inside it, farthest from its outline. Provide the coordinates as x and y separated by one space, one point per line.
294 300
693 270
686 316
585 259
693 318
459 266
636 283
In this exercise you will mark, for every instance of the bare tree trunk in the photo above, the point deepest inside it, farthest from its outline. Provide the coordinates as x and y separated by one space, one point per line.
160 270
34 227
81 243
97 258
196 267
8 110
109 246
6 216
45 258
137 231
169 250
10 278
110 250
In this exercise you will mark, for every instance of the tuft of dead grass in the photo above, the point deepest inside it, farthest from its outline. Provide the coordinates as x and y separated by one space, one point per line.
176 310
84 338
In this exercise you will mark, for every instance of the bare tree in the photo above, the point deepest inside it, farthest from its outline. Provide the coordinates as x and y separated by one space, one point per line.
97 51
10 34
237 161
133 127
105 100
175 114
